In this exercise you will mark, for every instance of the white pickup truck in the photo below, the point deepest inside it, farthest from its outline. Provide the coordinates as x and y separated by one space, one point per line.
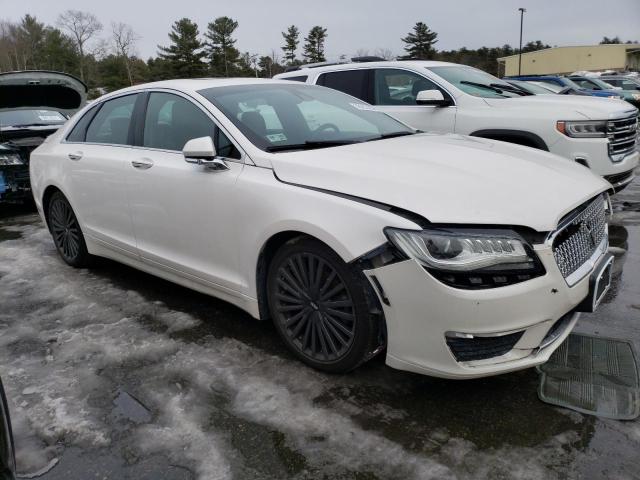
599 133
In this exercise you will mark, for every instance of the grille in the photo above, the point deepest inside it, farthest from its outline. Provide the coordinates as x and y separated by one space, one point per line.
618 177
481 348
623 136
580 236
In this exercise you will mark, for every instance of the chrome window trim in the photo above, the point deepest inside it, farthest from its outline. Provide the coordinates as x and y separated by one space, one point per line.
243 154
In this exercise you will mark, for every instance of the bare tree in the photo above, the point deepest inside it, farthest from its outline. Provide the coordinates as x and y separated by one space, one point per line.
384 53
362 52
124 42
83 26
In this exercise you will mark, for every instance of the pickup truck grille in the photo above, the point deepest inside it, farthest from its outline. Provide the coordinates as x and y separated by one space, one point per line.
623 137
579 238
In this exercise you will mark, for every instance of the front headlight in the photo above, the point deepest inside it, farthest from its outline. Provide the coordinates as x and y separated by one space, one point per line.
10 159
583 129
470 258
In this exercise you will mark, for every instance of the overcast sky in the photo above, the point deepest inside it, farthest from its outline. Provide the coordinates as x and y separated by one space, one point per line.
360 24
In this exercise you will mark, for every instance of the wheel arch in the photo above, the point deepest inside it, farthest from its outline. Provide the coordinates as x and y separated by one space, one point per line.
518 137
267 252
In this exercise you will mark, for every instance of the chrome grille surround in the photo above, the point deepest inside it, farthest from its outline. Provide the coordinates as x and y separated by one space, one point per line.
623 137
581 239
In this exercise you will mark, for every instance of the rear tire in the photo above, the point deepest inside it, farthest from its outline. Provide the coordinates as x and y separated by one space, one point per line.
66 232
319 306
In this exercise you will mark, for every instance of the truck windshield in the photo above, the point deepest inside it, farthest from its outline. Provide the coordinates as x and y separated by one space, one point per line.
475 82
279 117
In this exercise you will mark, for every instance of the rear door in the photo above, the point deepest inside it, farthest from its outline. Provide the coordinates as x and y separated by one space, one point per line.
97 151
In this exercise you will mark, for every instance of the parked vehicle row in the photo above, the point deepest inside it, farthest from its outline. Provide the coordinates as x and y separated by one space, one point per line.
460 257
33 105
598 133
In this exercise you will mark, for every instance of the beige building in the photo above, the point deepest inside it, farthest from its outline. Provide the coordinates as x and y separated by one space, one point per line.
563 60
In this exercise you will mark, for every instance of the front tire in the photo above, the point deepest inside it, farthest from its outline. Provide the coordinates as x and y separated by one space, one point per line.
66 232
319 306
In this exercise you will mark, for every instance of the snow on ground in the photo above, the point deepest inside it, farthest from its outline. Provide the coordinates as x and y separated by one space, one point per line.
72 340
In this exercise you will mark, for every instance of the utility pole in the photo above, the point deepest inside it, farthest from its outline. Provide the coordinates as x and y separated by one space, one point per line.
522 10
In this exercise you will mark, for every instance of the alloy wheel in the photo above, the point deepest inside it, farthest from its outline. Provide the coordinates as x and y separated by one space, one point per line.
314 307
65 229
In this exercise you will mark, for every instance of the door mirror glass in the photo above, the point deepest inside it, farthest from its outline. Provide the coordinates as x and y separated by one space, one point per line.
431 97
199 150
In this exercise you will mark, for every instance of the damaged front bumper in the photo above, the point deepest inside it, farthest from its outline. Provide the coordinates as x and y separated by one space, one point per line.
442 331
14 183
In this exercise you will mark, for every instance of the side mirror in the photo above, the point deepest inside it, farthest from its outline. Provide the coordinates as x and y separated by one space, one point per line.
202 151
432 97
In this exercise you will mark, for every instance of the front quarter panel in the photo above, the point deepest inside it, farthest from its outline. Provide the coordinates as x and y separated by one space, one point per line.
268 206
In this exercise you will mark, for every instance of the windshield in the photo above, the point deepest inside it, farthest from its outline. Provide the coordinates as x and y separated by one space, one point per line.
602 84
280 117
19 118
470 80
532 87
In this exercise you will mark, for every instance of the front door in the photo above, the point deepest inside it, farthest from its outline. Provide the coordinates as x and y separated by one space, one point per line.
183 213
395 91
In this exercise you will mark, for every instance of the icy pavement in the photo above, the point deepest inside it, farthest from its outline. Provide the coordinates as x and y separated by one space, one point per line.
115 374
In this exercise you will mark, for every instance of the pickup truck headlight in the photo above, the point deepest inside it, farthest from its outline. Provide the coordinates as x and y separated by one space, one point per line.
583 129
10 159
469 258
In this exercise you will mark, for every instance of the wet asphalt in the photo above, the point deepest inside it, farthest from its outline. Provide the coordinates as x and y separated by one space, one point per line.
115 374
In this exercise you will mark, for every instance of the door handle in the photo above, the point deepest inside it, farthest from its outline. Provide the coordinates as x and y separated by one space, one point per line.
75 156
142 164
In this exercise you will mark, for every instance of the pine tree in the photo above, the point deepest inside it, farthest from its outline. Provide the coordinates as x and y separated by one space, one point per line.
220 46
185 52
291 42
420 43
314 44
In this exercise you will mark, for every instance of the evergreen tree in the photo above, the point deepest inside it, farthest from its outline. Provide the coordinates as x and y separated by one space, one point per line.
314 45
291 42
420 43
220 46
185 52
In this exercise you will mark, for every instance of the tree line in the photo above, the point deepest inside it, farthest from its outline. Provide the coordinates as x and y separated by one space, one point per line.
106 58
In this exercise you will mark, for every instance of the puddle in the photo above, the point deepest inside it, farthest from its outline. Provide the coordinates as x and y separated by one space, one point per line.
130 408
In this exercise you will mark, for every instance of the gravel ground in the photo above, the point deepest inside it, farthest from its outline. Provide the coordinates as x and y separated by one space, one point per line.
114 374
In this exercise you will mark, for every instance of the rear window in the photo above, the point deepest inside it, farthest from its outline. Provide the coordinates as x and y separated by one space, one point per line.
352 82
111 123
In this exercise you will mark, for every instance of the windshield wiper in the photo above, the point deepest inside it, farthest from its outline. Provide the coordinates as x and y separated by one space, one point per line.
27 125
384 136
483 85
309 145
511 88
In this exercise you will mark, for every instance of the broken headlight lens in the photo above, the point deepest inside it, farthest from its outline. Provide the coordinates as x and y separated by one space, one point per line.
10 159
464 250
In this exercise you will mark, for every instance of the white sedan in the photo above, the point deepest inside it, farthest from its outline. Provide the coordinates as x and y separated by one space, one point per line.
353 233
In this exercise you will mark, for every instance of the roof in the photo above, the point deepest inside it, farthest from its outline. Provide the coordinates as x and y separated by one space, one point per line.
355 65
627 46
192 85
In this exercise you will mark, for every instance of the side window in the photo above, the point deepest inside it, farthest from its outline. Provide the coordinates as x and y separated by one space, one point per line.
171 121
399 87
79 131
352 82
111 123
299 78
224 147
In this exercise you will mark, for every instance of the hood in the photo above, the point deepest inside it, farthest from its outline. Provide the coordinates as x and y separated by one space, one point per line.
41 89
568 107
449 179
